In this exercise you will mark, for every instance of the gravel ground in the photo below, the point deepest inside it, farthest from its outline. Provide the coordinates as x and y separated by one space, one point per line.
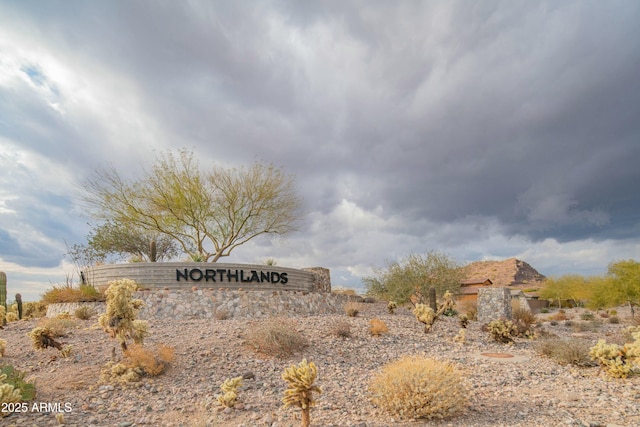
524 390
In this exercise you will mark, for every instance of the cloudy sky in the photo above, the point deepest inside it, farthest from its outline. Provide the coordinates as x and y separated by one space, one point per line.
485 130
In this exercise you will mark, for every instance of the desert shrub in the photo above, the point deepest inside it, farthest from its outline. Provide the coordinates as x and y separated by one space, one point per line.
570 351
70 293
352 308
3 347
584 326
222 314
276 337
122 310
559 316
502 331
544 310
84 312
17 379
229 394
300 388
469 309
587 315
146 360
603 314
614 319
524 321
377 327
464 321
340 328
11 317
416 387
613 312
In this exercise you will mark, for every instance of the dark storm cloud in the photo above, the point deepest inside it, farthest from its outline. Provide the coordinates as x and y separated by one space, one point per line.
432 121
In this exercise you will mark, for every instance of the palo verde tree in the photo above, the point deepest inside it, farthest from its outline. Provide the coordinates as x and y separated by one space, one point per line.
122 240
208 213
624 283
414 275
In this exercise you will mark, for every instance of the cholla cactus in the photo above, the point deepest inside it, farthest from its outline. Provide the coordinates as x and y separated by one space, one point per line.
447 305
229 392
300 389
502 330
426 315
461 338
391 306
122 310
618 361
42 338
3 347
8 394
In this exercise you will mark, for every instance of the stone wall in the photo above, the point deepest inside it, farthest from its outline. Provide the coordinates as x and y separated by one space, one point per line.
213 303
494 303
322 282
184 275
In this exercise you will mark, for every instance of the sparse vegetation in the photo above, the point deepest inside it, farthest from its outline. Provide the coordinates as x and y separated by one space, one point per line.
229 394
276 337
122 309
352 308
340 328
416 387
502 330
571 351
84 312
300 388
69 293
377 327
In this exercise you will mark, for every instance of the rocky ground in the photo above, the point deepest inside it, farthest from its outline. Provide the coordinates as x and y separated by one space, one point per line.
524 390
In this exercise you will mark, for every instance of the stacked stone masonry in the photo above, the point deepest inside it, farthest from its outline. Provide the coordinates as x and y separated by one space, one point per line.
220 304
494 303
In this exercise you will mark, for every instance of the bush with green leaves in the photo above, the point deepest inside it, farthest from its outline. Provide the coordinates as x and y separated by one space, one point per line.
416 387
18 379
415 274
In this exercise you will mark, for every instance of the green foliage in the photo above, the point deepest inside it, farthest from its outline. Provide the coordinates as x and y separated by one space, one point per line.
416 387
220 209
18 380
122 309
566 287
415 274
625 283
300 388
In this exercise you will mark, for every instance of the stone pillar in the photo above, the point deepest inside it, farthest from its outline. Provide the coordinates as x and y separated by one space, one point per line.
494 303
322 282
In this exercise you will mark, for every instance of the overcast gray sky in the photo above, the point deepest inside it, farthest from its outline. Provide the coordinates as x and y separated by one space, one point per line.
485 130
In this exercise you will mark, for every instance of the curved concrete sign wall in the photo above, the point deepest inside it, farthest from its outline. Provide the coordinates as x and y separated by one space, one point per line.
185 275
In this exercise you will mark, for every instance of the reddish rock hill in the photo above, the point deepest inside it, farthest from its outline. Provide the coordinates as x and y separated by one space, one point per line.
510 272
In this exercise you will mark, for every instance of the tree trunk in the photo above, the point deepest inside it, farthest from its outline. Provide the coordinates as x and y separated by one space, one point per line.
306 418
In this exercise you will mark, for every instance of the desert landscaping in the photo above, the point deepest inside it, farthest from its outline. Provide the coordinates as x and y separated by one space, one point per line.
508 384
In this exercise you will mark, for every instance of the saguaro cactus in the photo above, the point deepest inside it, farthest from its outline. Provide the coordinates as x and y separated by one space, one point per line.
3 294
153 253
19 303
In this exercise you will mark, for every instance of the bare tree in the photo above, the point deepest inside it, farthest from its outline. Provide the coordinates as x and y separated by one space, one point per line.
208 213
